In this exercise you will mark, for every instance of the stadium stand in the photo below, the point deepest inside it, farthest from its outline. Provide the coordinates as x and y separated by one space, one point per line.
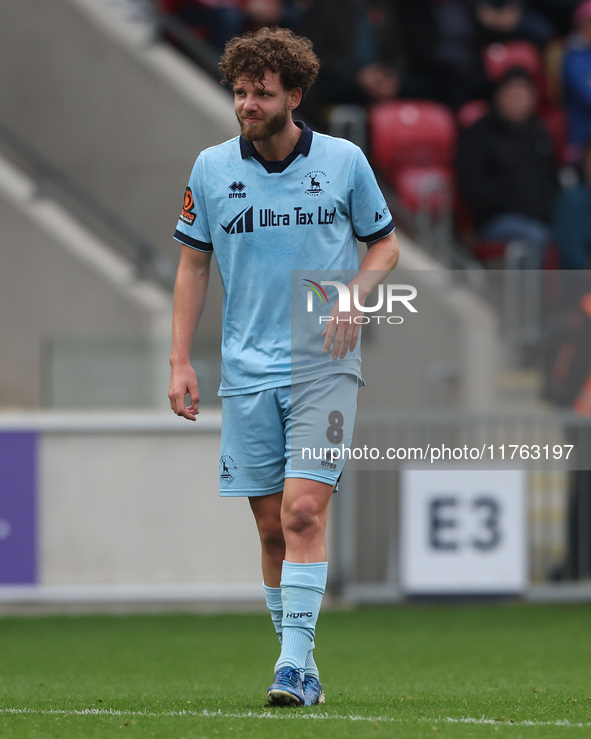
535 44
500 58
413 146
91 66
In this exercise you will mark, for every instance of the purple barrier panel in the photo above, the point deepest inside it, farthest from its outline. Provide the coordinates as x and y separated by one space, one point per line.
18 508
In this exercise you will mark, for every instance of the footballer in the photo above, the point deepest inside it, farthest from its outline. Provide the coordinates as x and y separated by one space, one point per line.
279 197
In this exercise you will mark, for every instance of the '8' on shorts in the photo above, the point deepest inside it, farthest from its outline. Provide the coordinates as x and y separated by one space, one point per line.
291 431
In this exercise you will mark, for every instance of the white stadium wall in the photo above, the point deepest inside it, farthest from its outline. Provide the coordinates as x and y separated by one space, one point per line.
120 508
122 116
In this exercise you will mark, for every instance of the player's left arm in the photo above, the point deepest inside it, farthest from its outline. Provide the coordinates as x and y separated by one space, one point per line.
342 333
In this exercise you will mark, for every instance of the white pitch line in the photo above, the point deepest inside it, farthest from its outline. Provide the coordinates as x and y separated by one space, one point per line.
297 716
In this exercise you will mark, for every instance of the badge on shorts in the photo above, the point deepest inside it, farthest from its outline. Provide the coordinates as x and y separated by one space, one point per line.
227 465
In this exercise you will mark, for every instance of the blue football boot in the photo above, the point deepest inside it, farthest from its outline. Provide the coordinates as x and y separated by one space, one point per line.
288 689
313 693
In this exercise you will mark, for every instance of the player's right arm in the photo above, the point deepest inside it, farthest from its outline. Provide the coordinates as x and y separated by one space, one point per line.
190 292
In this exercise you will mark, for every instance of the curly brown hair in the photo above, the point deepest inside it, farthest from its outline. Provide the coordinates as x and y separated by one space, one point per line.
275 49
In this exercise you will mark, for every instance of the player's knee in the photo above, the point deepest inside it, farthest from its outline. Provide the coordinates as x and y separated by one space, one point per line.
302 517
271 535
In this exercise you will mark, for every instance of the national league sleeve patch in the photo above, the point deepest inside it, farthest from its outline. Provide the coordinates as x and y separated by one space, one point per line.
187 214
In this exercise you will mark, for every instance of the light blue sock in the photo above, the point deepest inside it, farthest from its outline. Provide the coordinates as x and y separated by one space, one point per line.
311 667
302 588
275 606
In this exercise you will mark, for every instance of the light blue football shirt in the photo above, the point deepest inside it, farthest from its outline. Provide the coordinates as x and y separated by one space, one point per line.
265 219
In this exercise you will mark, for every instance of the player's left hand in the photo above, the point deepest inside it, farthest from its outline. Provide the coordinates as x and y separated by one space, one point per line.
342 332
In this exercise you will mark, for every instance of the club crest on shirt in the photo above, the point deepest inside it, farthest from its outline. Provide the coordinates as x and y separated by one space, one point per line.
315 181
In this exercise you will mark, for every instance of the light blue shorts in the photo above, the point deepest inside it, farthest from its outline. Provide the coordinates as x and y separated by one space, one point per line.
286 432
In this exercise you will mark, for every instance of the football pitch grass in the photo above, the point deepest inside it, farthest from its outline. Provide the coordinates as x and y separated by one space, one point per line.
521 671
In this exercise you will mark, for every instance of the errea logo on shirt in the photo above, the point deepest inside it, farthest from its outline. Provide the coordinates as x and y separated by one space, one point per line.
237 190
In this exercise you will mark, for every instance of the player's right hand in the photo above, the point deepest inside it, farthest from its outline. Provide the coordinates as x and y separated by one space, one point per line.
183 382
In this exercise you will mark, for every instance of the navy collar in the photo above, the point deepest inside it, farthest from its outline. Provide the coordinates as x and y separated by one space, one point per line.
303 145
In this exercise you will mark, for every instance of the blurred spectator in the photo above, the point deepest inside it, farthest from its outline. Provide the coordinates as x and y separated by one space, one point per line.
572 219
419 29
567 384
263 12
506 168
459 70
505 20
367 51
216 21
577 81
558 12
286 13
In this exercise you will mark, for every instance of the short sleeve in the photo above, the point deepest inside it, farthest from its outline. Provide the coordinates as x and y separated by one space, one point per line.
370 214
193 228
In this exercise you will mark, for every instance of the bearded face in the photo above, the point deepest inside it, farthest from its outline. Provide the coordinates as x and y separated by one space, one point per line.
262 107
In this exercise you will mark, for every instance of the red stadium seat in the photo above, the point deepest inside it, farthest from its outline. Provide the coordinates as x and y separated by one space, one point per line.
500 58
411 132
426 188
168 6
413 146
470 112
